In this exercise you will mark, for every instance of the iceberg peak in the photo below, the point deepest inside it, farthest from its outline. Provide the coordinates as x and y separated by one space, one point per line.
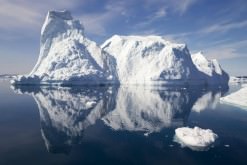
59 22
211 69
64 14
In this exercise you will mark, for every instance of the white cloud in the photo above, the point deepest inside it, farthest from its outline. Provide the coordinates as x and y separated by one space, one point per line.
160 13
224 27
28 14
227 50
177 6
95 23
181 6
221 27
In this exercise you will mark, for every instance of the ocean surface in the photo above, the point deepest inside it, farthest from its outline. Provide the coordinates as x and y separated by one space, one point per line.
117 125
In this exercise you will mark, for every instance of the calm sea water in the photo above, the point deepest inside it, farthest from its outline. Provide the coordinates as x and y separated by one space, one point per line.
111 125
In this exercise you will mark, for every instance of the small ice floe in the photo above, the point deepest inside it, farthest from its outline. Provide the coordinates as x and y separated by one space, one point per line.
244 85
90 104
146 134
195 138
238 98
227 145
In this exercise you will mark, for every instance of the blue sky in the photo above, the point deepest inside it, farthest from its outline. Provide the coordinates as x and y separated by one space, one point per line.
218 28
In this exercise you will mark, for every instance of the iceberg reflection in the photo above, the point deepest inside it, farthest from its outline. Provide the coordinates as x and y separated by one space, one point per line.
207 100
149 110
65 113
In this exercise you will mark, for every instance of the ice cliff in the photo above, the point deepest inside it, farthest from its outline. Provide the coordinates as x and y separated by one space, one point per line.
67 57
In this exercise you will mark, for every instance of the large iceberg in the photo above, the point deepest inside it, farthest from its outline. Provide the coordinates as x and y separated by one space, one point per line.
238 98
151 60
67 56
195 138
211 70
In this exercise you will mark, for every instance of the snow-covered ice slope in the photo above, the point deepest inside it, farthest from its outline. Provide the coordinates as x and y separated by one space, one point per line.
238 98
67 56
211 69
151 60
195 138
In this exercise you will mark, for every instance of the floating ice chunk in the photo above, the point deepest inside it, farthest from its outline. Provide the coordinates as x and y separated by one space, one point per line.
237 80
238 98
146 134
195 138
244 85
90 104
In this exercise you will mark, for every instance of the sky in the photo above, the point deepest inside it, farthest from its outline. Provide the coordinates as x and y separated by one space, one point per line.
218 28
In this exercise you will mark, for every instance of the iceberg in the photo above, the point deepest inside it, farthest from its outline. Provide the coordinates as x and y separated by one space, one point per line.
238 98
67 56
154 60
211 70
151 60
195 138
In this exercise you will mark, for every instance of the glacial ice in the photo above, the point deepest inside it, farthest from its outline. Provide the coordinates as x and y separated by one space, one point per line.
238 98
195 138
68 57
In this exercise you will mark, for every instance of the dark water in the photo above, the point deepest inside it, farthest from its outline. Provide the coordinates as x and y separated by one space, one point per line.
110 125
